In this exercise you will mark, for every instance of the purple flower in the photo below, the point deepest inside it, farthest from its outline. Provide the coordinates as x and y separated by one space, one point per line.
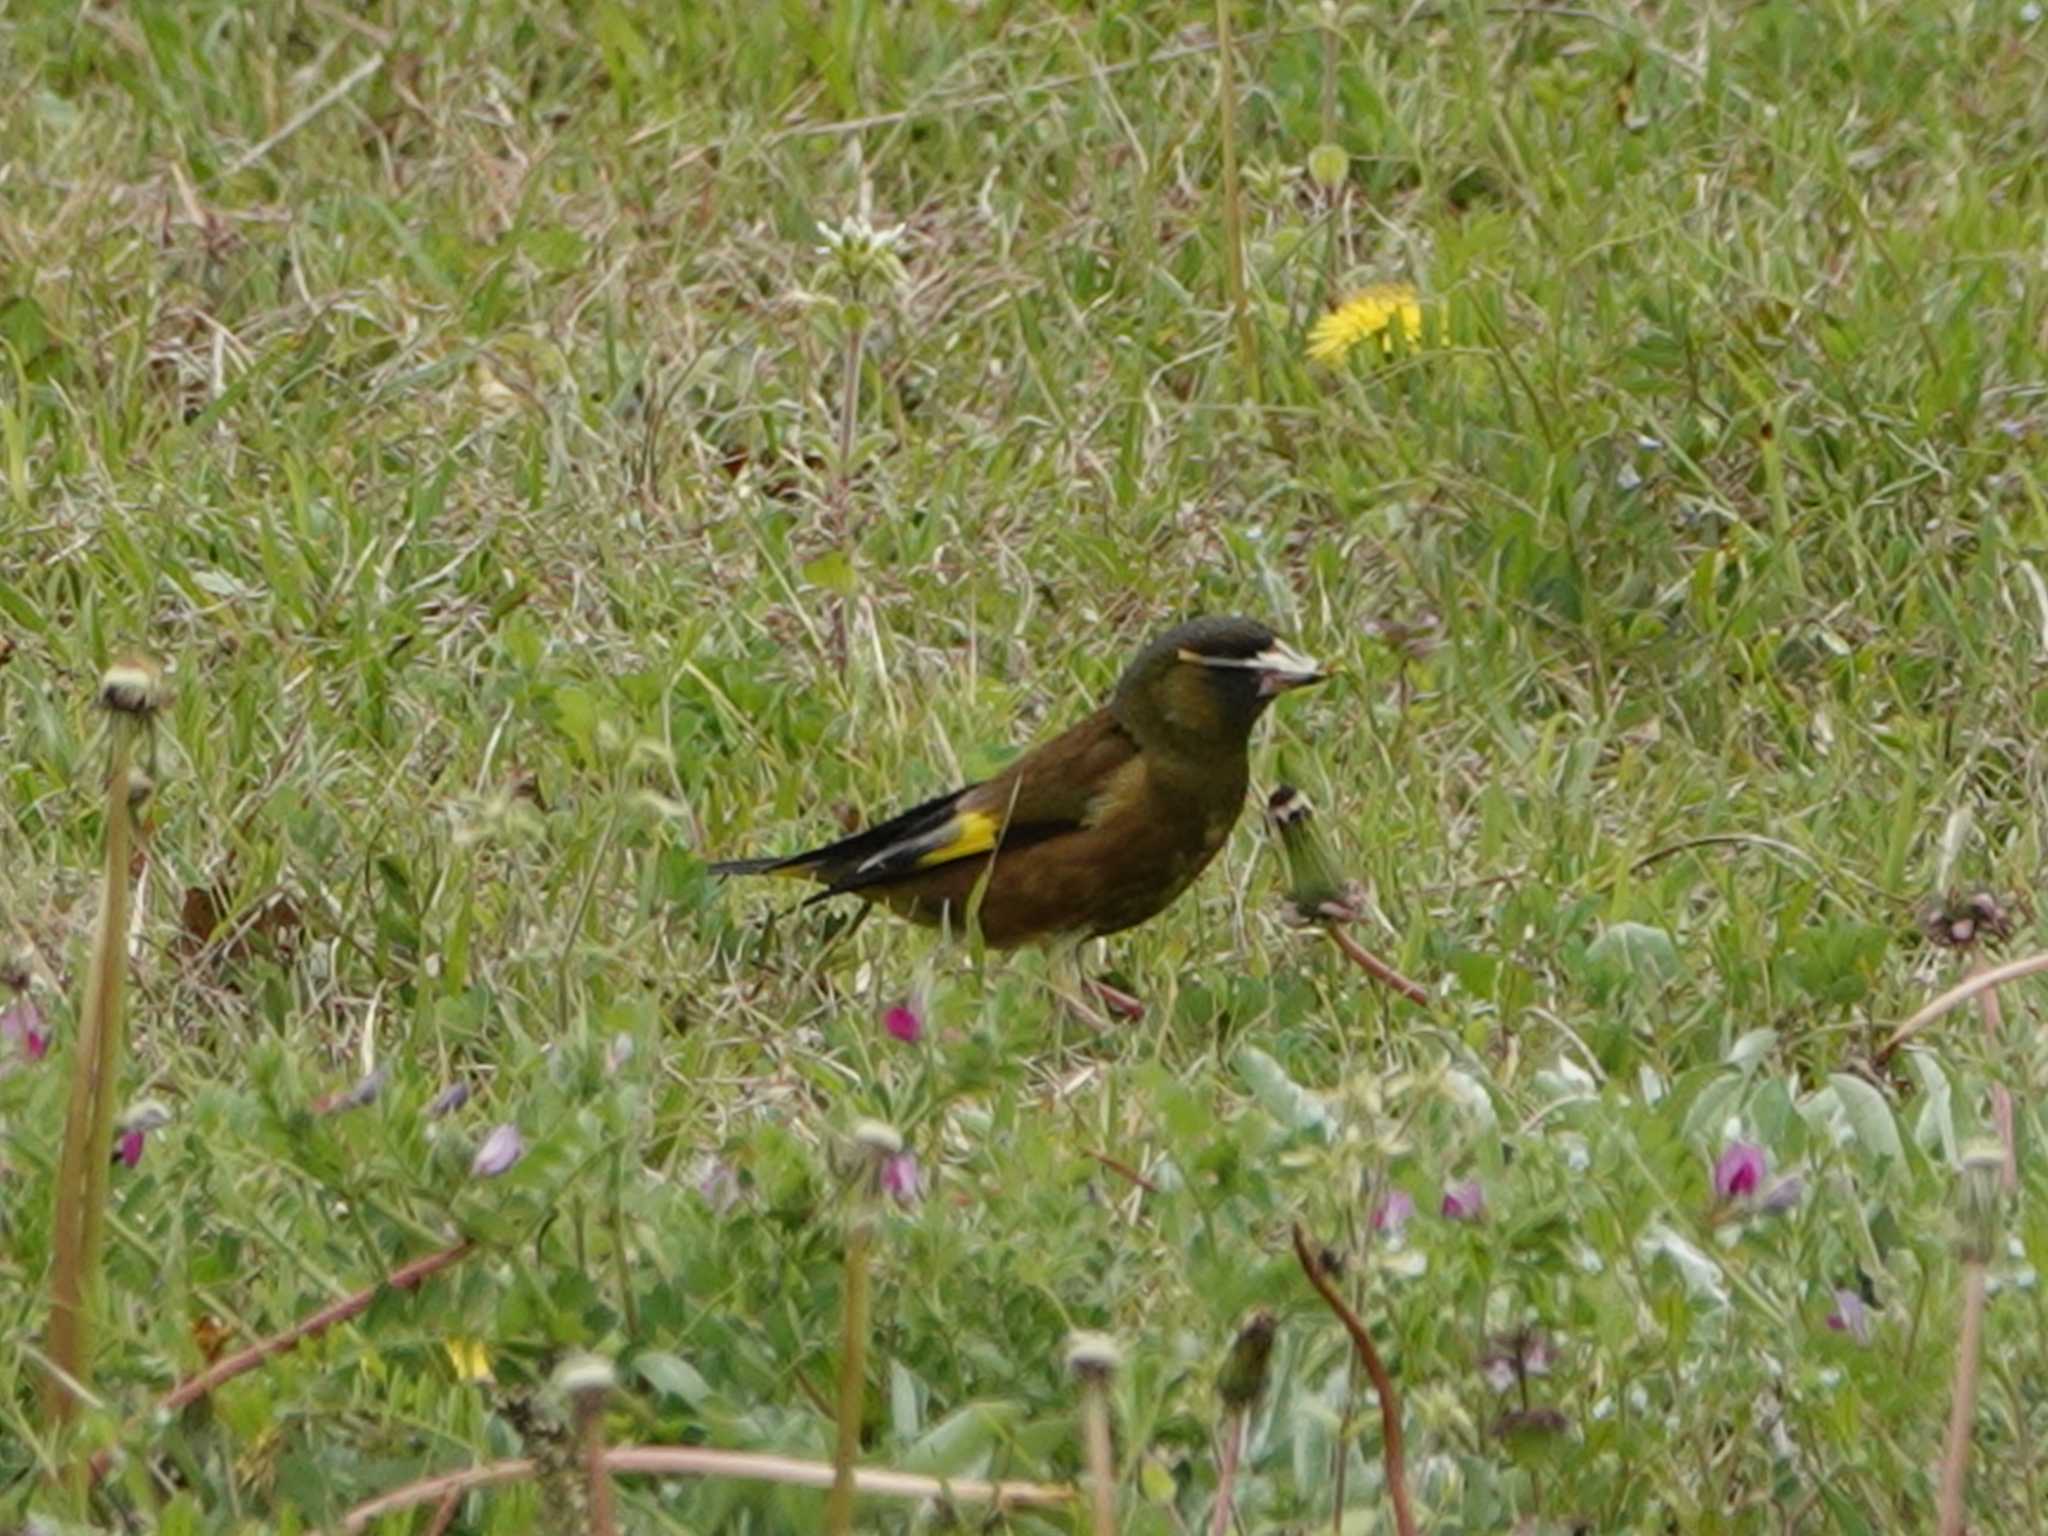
1464 1201
501 1149
902 1180
1783 1195
1391 1215
717 1184
22 1022
1739 1171
363 1091
1851 1316
129 1148
449 1099
903 1022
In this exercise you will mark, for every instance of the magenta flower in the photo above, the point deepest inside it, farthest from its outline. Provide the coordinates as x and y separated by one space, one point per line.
1464 1201
1851 1316
903 1023
902 1180
133 1128
501 1149
22 1022
1391 1215
1739 1171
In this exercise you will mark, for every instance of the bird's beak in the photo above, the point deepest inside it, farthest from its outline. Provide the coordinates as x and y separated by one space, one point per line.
1279 666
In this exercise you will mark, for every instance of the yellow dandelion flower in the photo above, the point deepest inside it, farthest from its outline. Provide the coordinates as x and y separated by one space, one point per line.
1370 312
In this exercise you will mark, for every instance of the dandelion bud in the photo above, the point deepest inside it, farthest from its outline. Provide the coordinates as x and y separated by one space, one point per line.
582 1375
133 686
1328 165
1983 1168
1093 1356
877 1139
1242 1381
1314 888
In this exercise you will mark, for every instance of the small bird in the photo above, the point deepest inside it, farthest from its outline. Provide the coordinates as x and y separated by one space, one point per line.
1093 831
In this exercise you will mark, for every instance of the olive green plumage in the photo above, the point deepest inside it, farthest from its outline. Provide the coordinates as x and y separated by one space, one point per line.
1095 830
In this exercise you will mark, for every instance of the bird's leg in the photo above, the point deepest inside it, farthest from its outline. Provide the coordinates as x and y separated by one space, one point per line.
1117 1000
1063 968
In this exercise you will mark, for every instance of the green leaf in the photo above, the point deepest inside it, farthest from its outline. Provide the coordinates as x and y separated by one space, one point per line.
1635 950
833 571
1280 1096
958 1443
1868 1114
672 1375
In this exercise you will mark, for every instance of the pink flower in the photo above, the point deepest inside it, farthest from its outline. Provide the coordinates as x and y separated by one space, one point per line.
902 1180
133 1128
501 1149
1739 1171
1391 1215
717 1184
903 1023
1851 1316
22 1022
1464 1201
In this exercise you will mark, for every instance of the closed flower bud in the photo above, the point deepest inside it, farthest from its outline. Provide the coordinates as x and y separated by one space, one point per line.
1093 1355
1328 165
133 686
1313 887
501 1149
1242 1381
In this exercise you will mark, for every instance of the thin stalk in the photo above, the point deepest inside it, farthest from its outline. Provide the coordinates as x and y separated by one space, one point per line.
1234 1428
1101 1459
702 1461
1962 1408
853 1344
79 1224
1233 205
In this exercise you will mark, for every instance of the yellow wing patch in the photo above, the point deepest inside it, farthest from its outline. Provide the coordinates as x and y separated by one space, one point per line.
972 832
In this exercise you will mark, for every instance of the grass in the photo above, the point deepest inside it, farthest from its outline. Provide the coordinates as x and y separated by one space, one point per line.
454 398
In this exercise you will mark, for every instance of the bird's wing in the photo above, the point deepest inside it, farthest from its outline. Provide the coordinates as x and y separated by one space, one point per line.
1051 790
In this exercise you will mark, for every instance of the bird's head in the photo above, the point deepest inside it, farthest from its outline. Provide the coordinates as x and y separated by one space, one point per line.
1203 685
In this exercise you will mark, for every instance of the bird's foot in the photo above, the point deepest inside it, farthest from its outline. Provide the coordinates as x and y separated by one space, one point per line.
1117 1000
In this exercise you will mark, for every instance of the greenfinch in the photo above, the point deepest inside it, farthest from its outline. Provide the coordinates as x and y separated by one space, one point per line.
1095 830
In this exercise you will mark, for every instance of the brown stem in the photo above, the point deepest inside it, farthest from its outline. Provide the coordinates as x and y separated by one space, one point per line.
1226 1474
1393 1449
1962 1408
2001 1097
1126 1170
1969 987
228 1367
698 1461
1375 967
597 1476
